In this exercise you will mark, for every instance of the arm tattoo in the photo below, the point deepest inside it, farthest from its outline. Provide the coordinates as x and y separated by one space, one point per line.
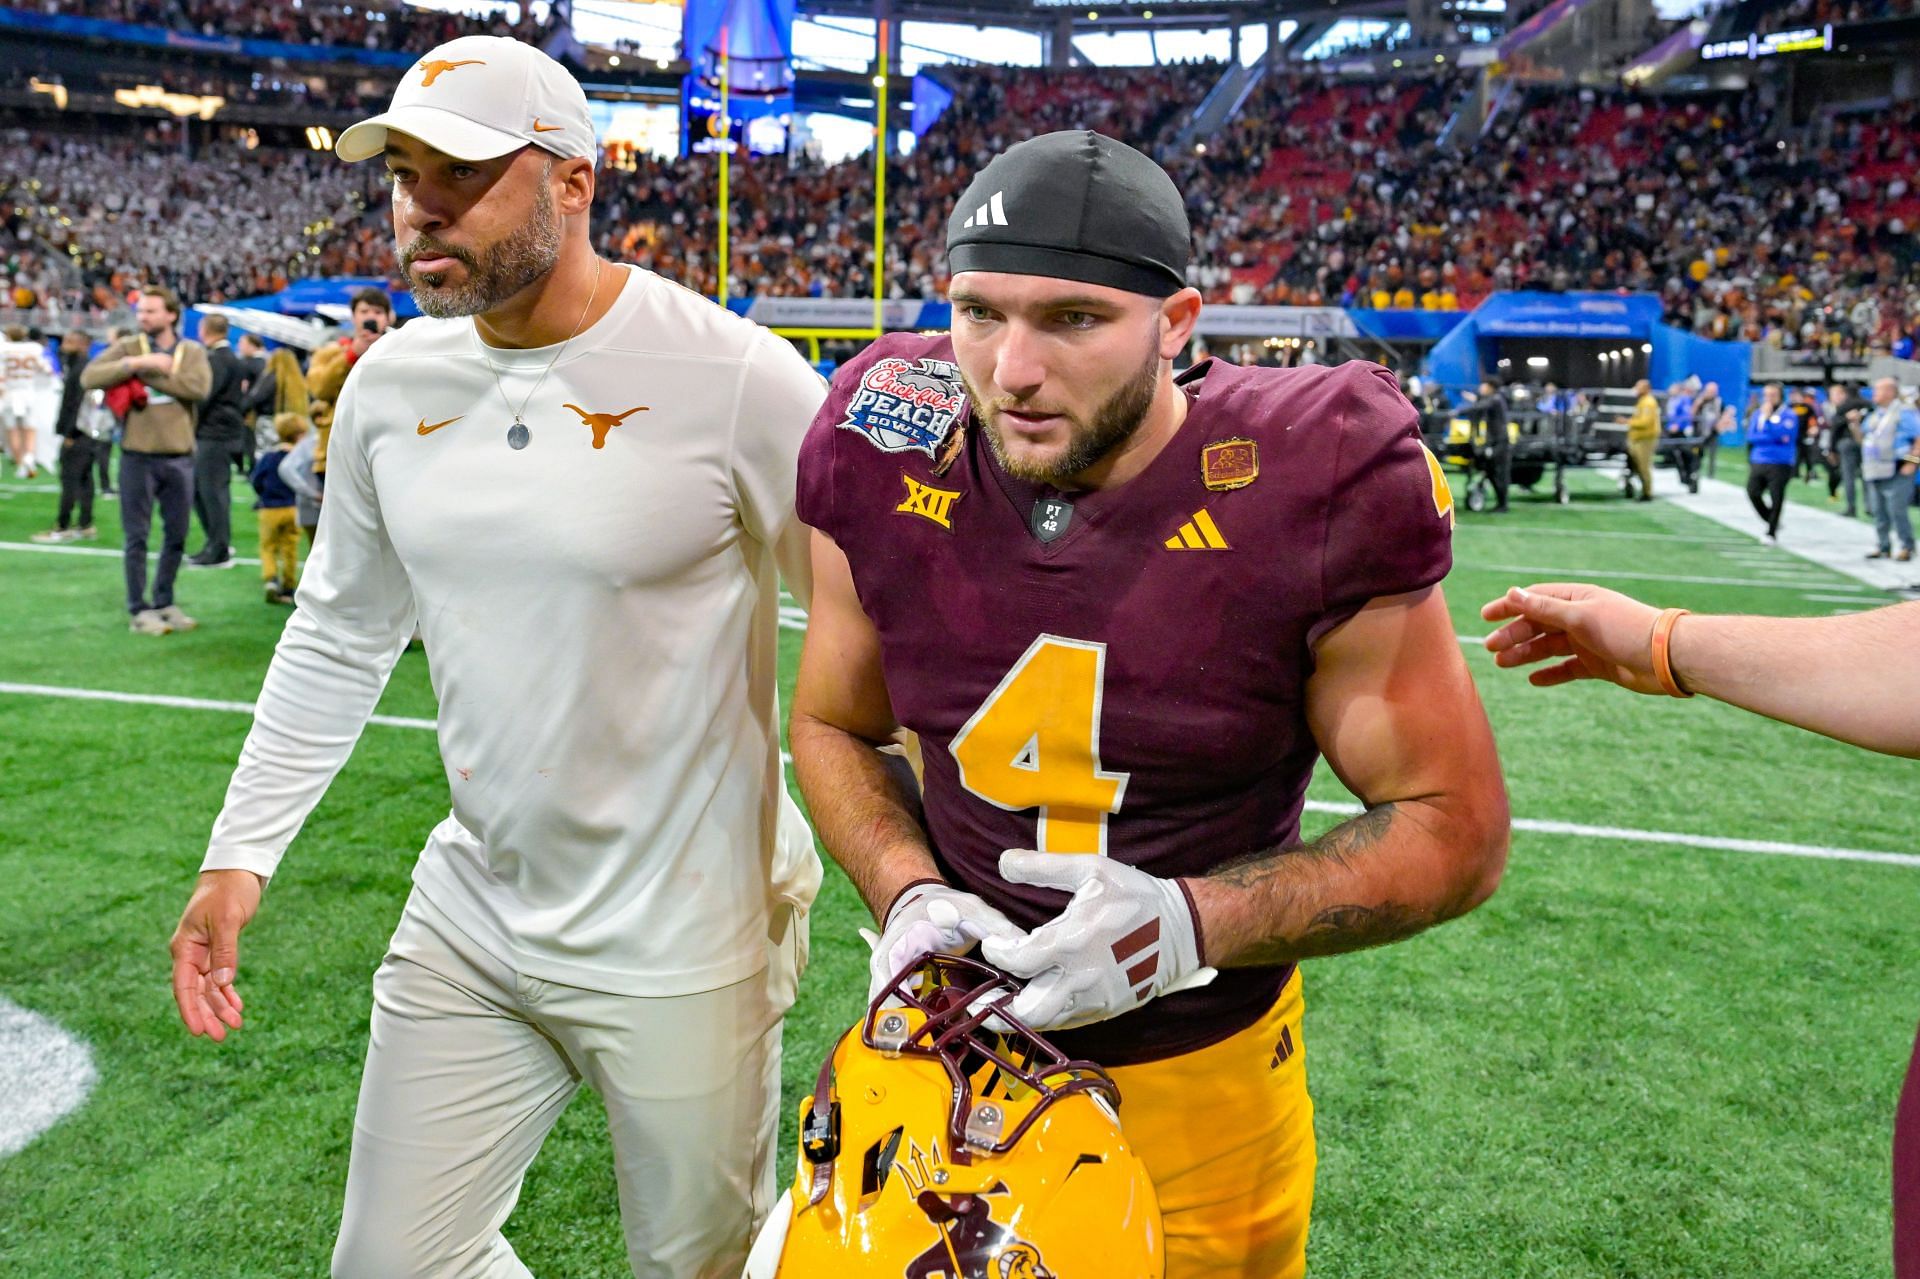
1290 879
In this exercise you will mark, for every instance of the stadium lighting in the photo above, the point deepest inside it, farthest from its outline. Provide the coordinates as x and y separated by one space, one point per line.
1147 14
1093 15
878 81
1646 348
661 63
1398 64
613 59
1537 361
1199 148
1439 57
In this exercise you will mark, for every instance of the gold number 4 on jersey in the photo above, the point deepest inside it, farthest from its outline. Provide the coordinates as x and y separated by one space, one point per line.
1035 743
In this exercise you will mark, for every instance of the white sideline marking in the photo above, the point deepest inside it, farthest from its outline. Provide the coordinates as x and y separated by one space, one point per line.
1826 538
1583 574
112 552
1316 806
181 703
45 1073
1767 846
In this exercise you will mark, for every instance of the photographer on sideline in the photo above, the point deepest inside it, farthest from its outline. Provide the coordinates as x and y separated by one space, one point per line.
371 317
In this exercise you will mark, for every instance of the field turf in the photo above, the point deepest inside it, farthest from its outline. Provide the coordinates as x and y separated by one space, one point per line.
1639 1059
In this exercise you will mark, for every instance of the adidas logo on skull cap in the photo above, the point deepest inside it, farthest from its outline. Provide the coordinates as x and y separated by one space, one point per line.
1090 209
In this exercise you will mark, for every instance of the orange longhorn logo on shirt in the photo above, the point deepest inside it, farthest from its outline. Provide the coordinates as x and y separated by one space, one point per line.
601 423
439 67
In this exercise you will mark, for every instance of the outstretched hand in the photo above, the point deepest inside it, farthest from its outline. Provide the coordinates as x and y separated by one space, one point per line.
1600 634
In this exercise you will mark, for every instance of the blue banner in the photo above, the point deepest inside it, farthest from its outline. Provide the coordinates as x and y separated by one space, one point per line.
1568 315
930 101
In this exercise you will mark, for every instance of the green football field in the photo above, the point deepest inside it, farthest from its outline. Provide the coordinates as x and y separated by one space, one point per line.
1656 1052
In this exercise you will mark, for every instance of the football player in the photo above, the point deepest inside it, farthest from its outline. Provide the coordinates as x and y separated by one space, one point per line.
23 363
1124 613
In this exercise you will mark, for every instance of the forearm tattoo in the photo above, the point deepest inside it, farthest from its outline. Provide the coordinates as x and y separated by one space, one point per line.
1288 881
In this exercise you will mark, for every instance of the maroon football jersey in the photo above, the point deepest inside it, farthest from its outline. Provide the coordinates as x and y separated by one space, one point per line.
1125 675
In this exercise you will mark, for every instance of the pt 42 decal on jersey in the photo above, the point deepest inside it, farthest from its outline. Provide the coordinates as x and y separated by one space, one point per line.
907 406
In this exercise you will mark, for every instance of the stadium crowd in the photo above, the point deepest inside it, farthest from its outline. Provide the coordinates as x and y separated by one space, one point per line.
228 223
360 24
1319 192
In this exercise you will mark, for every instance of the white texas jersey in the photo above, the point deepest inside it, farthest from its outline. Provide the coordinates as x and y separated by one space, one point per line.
22 365
600 613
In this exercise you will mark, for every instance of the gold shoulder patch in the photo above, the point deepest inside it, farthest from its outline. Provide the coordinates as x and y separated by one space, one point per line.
1230 464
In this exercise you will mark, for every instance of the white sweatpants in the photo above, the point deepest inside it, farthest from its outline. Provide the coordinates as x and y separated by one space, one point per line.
470 1063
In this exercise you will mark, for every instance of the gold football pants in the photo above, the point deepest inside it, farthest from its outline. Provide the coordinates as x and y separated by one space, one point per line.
1226 1133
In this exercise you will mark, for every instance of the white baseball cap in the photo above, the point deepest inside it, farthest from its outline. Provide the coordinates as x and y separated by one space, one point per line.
479 97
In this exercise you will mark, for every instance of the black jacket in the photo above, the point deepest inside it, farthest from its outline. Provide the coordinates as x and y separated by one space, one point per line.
72 396
221 417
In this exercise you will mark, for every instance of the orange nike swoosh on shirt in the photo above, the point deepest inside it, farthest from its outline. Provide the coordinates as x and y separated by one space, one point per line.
546 128
424 429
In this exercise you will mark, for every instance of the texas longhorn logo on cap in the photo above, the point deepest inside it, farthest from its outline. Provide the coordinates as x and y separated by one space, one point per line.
439 67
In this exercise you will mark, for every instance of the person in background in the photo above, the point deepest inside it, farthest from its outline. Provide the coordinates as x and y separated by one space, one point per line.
219 446
252 350
1643 437
1679 427
1490 411
156 462
1706 428
23 362
296 472
1773 445
1853 678
1844 413
76 448
371 316
279 527
1807 414
281 387
1888 437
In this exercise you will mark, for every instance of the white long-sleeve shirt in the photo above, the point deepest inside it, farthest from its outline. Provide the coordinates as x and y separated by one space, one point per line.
600 621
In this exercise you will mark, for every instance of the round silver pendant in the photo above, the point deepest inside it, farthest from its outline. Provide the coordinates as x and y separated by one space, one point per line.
518 435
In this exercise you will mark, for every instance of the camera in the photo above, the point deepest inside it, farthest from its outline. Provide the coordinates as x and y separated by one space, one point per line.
370 325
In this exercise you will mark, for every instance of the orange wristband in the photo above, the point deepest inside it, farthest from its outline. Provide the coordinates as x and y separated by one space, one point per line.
1662 661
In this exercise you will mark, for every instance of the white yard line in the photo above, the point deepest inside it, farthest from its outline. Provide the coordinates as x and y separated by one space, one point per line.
1769 847
1535 572
178 703
109 552
1535 530
1533 826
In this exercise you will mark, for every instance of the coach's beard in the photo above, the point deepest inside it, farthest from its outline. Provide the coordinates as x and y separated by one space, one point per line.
1112 425
494 274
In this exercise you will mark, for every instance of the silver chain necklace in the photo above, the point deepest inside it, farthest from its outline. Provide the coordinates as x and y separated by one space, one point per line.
518 435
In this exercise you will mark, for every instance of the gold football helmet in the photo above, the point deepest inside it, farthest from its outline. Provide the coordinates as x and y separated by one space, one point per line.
944 1140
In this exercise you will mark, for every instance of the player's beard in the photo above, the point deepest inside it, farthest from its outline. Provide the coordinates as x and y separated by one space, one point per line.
1112 424
493 275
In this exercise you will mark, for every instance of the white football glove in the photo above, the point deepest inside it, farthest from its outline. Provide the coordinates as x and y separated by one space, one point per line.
928 919
1124 938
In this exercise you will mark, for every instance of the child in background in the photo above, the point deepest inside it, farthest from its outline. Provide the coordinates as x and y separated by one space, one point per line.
279 527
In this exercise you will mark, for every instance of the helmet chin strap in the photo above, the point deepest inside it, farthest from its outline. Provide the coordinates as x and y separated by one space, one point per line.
820 1135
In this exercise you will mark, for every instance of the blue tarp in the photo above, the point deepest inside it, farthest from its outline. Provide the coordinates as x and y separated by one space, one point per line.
128 33
1460 358
305 297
